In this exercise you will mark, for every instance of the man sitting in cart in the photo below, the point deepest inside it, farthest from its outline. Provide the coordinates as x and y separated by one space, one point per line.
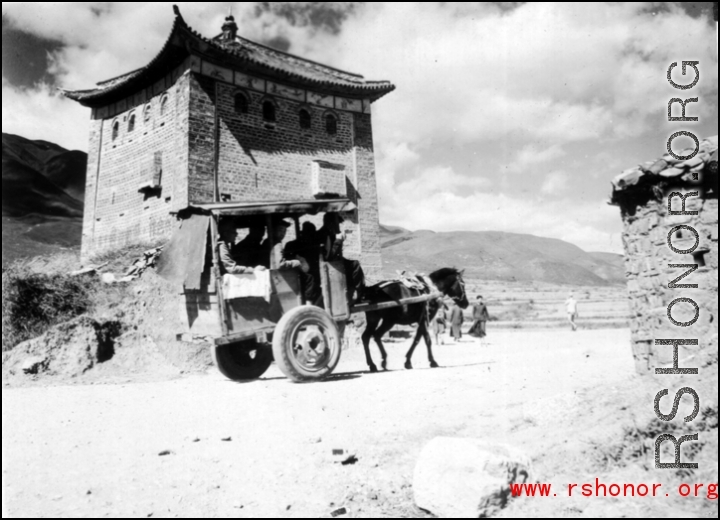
249 250
278 258
331 239
306 248
228 262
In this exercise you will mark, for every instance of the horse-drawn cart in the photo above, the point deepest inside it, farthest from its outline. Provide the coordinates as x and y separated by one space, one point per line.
256 318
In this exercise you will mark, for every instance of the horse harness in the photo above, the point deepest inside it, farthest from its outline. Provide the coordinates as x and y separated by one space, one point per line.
415 282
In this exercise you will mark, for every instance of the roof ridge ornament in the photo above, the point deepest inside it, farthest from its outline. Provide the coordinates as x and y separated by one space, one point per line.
229 28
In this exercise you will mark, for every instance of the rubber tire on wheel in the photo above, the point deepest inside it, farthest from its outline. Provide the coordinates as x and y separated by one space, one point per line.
242 361
316 324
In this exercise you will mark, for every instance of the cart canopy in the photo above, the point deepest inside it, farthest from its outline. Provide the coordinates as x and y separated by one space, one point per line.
183 259
309 207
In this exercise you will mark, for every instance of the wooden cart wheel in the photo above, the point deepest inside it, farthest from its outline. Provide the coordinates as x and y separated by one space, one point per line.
242 361
307 344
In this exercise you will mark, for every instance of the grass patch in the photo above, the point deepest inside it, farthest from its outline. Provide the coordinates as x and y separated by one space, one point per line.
39 294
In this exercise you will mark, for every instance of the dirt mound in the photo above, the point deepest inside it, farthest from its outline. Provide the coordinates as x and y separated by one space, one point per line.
151 309
67 350
136 357
132 330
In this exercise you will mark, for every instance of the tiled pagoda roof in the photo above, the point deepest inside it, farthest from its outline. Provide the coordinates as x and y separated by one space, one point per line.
240 54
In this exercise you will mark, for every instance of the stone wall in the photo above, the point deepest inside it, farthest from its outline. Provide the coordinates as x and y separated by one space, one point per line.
137 173
261 160
209 151
366 198
647 256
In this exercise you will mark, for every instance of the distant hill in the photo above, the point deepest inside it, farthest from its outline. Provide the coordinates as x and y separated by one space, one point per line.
42 197
615 260
494 255
611 258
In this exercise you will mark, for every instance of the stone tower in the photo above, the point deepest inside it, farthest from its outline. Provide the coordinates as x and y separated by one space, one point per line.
226 119
647 195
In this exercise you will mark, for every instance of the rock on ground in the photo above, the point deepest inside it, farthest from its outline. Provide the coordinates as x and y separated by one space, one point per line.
467 478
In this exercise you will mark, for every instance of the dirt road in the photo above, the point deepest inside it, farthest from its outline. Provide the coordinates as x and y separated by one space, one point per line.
264 449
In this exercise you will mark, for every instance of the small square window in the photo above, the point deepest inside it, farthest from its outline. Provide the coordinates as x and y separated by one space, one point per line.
242 105
331 125
269 111
305 119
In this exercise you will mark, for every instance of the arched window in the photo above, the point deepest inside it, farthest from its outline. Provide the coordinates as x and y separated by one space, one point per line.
269 111
131 123
115 130
305 119
163 105
331 125
241 104
147 113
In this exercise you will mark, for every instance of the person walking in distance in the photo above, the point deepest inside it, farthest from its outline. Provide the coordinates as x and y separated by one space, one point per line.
439 322
456 321
571 309
480 317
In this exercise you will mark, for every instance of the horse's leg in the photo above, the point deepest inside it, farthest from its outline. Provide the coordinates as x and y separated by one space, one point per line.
408 356
372 323
385 326
428 342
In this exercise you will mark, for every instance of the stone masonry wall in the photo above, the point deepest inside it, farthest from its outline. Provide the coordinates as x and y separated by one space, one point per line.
117 212
200 137
367 200
258 160
647 256
91 185
201 140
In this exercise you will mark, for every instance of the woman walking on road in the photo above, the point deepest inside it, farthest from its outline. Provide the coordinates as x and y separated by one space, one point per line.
480 317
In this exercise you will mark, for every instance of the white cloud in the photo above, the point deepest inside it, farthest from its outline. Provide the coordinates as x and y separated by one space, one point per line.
42 113
554 183
429 201
534 154
398 155
566 72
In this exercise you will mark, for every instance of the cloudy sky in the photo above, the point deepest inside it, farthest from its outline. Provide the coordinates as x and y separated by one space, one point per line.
508 116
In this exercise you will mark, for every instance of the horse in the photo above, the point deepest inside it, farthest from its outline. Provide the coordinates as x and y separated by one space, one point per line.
447 280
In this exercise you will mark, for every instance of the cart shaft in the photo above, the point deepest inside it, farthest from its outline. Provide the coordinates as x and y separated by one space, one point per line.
368 307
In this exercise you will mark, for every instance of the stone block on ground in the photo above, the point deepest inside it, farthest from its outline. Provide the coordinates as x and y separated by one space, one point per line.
467 478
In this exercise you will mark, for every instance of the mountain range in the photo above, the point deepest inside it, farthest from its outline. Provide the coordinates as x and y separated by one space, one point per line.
42 203
42 197
495 255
